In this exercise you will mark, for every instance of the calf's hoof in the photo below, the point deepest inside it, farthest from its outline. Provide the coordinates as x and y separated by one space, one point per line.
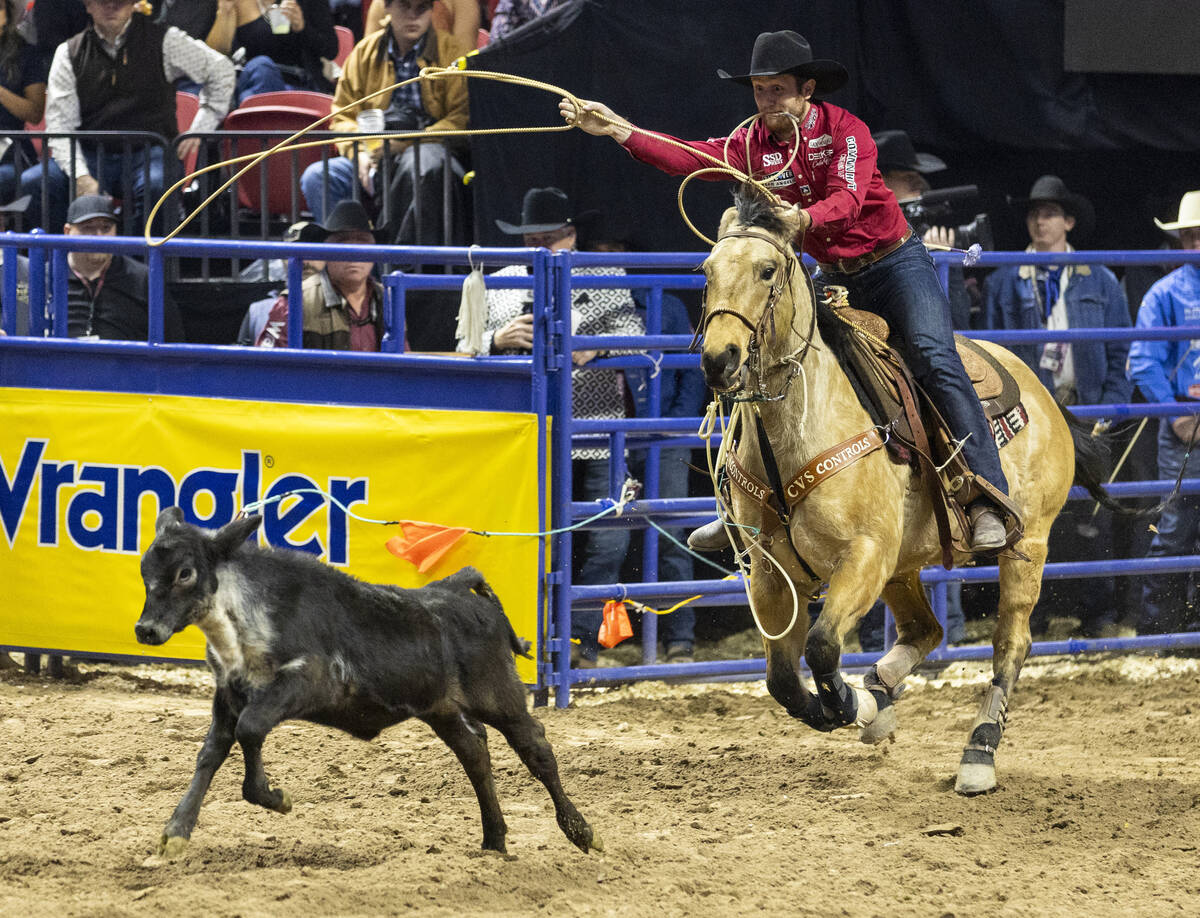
285 802
578 832
172 846
595 844
975 778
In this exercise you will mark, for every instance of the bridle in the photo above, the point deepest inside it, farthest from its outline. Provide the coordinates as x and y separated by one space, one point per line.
765 329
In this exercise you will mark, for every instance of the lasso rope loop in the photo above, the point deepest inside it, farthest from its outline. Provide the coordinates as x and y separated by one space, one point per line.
455 71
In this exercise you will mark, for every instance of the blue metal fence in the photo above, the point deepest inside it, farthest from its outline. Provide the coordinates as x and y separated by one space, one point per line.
540 383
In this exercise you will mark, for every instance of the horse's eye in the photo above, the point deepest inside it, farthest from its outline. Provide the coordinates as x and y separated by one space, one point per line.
768 272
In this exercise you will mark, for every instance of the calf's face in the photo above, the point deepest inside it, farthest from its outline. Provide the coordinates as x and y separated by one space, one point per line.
179 571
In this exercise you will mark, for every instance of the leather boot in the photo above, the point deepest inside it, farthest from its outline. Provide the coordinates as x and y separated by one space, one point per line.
987 528
709 537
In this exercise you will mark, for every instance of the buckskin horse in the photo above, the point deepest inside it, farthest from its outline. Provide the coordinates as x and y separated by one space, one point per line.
868 529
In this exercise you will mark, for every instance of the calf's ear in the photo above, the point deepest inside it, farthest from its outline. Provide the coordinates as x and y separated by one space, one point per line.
172 516
231 536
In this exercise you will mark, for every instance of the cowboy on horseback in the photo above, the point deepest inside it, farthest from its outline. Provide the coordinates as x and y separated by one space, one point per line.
851 224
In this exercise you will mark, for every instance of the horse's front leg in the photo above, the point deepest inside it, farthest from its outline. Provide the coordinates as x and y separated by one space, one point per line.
853 587
784 625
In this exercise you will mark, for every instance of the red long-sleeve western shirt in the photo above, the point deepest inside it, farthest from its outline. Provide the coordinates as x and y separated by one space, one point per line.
834 177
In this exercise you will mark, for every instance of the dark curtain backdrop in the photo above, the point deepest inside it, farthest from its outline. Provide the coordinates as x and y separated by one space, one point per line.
980 84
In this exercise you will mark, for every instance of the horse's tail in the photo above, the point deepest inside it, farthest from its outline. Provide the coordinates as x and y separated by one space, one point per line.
1093 462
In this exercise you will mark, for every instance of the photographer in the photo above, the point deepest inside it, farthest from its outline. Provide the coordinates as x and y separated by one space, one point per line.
904 170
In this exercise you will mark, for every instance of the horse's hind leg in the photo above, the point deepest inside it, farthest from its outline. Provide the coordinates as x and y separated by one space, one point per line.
1020 584
917 633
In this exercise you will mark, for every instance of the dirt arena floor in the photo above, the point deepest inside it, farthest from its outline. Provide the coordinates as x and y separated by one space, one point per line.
708 798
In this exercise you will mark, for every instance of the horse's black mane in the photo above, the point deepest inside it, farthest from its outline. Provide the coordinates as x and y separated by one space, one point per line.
754 209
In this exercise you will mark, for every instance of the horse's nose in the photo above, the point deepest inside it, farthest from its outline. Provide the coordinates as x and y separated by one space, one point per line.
721 368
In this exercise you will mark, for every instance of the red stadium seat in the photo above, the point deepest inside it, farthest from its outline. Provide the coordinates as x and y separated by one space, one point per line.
186 106
345 44
319 103
283 184
481 40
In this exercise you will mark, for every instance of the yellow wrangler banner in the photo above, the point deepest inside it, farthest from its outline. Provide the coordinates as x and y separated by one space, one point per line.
83 475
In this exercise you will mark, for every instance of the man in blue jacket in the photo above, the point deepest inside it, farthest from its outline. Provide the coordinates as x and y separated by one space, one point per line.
1057 297
1168 371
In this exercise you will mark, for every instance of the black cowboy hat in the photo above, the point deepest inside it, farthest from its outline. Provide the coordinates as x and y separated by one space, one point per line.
789 52
1053 189
896 152
542 211
348 216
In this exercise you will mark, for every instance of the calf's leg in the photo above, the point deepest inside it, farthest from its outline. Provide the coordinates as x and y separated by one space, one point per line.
282 699
528 739
212 754
467 738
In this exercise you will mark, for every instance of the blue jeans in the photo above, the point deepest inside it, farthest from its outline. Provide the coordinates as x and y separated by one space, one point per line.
1165 607
903 288
261 74
603 553
107 170
322 193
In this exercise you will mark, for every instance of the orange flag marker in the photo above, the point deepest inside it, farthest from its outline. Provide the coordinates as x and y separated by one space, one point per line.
424 544
615 627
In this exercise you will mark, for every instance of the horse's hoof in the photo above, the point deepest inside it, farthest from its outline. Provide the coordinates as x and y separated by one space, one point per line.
974 779
172 846
882 727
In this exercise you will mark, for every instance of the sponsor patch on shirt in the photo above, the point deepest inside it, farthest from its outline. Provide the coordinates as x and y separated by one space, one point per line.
823 141
785 179
811 120
847 162
772 159
821 157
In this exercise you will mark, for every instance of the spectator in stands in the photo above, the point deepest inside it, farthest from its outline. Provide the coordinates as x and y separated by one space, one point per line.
279 45
392 55
512 14
548 220
851 224
108 296
343 303
51 22
682 394
22 95
1168 371
460 18
118 75
258 312
1080 373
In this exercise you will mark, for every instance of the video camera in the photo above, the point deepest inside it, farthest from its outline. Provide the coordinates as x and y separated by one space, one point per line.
936 208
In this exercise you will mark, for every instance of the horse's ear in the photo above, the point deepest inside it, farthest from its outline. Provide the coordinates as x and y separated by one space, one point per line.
727 220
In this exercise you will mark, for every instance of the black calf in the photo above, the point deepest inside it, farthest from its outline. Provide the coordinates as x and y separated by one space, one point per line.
291 638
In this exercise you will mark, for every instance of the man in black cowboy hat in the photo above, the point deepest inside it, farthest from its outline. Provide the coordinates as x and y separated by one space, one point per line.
548 220
343 303
852 226
1083 372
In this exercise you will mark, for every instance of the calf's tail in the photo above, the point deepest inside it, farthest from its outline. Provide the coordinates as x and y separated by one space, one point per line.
474 581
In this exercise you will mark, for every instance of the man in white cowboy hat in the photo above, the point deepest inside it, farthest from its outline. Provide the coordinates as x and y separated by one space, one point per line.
1168 371
1080 373
852 226
549 221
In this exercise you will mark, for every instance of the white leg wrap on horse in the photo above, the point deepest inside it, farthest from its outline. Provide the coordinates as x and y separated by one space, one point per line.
897 663
994 709
867 708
